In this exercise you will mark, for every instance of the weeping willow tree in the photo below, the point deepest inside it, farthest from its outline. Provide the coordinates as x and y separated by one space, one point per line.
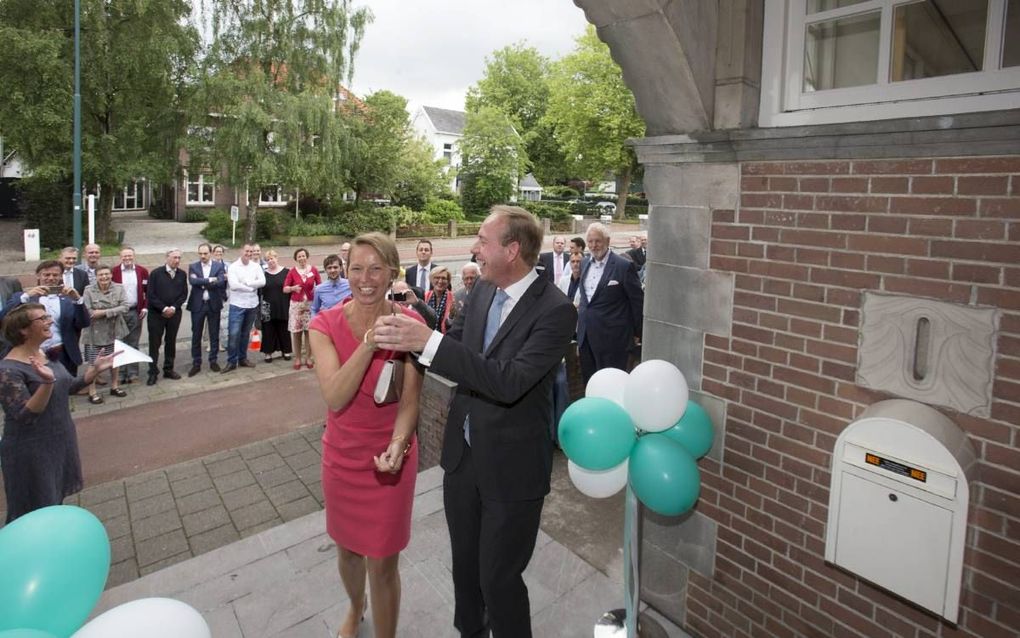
269 109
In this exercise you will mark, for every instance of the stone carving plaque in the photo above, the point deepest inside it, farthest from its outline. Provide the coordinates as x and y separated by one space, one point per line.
931 351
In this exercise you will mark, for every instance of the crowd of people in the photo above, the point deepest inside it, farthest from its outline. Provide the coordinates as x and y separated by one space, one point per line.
368 333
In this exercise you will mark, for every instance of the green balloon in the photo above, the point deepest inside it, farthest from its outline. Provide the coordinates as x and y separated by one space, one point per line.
53 566
596 433
663 475
693 431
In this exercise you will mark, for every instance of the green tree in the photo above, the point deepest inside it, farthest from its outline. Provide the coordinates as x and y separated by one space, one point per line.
516 82
592 113
381 132
420 176
135 55
269 99
493 159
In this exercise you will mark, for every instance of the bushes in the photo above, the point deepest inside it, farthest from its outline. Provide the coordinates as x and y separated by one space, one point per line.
194 215
218 227
441 211
555 211
344 220
556 190
47 205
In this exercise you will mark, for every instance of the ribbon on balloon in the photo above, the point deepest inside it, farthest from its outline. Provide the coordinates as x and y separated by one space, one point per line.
640 428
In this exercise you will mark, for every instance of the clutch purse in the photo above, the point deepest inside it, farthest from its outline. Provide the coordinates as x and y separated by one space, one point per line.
390 383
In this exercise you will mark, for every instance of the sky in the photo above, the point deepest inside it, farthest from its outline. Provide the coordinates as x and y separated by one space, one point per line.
431 51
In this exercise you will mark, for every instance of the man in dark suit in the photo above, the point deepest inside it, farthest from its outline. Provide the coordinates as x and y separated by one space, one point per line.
552 270
168 288
417 276
208 280
135 280
639 253
611 309
502 351
72 276
62 303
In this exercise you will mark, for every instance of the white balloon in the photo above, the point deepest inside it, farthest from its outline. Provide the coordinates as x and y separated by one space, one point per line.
656 395
149 617
598 483
607 383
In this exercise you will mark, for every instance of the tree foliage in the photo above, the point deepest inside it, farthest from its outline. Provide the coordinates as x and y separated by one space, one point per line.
270 109
516 82
381 132
592 113
420 176
493 159
135 55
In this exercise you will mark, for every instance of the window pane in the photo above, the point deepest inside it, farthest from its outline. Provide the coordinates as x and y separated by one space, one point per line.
192 191
937 37
814 6
841 53
1011 36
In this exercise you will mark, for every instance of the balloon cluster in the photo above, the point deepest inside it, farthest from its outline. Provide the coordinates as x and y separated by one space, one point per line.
640 427
53 567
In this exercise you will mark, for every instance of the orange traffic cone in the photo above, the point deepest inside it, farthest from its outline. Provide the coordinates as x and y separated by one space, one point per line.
255 342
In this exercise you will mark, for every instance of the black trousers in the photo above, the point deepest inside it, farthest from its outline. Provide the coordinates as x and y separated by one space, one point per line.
491 542
198 320
592 361
165 330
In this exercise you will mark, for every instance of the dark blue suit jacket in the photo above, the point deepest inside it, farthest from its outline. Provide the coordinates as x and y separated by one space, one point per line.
73 319
611 319
200 284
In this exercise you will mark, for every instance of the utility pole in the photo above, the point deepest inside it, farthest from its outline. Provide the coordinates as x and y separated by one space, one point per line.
76 195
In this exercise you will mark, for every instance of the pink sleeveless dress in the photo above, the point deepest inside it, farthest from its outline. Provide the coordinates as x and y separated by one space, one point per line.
367 512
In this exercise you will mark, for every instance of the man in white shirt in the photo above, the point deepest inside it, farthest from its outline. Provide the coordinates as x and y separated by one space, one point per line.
244 278
417 276
135 280
72 276
92 255
554 263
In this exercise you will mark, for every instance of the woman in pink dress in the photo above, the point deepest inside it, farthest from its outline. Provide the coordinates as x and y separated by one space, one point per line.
369 451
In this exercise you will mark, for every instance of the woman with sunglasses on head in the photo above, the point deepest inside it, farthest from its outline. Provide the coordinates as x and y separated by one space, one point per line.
39 450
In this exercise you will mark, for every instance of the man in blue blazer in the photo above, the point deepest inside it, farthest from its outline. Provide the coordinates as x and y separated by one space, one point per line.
208 280
65 305
611 309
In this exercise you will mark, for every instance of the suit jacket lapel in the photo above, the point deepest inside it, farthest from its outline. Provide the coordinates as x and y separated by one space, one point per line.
474 331
515 314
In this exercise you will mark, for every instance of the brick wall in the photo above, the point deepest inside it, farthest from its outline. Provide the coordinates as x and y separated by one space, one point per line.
805 240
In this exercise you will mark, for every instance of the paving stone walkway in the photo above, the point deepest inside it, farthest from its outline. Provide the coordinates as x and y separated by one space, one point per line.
166 516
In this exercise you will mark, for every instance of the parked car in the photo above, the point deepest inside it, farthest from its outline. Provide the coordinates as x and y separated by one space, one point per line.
606 208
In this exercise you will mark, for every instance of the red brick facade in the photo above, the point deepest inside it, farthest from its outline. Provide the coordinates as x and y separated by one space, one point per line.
805 240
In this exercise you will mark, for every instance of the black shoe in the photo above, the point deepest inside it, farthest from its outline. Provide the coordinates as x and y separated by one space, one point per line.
170 374
117 392
215 367
230 367
246 363
151 380
194 370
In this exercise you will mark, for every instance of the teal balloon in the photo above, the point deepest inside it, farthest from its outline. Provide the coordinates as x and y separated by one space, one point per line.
596 433
664 475
25 633
693 431
53 566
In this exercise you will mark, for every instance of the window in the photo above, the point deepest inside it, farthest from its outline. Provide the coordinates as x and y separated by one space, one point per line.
273 195
201 190
131 197
849 60
448 152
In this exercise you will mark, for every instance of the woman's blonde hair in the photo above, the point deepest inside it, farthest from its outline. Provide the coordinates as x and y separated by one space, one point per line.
383 246
439 271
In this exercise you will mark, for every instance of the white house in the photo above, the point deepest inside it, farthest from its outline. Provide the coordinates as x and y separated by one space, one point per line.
442 128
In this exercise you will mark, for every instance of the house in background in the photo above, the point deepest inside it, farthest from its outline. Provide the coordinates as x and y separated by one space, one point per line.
529 190
442 128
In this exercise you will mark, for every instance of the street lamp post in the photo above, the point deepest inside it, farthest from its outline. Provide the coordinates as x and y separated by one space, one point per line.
76 195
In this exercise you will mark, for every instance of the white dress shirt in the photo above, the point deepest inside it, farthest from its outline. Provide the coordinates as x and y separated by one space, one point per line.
594 276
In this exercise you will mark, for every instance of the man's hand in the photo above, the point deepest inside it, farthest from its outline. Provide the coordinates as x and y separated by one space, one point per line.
169 311
38 291
71 293
401 333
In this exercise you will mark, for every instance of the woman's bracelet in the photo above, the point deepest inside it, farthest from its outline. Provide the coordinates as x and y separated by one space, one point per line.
370 344
401 437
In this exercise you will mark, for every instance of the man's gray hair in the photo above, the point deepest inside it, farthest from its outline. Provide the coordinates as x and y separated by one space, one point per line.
599 228
471 266
173 250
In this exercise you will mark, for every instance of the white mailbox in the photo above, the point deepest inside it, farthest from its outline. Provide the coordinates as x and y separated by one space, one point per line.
898 503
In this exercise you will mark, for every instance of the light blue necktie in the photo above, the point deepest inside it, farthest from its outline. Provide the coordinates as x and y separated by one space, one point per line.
491 328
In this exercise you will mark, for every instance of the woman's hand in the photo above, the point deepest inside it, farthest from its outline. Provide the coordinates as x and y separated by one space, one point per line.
96 314
38 364
105 362
392 459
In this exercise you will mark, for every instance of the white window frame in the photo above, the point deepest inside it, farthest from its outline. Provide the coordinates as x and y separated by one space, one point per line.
139 196
201 181
282 198
784 103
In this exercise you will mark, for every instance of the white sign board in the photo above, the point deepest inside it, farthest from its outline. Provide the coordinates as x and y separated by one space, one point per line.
235 213
32 244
